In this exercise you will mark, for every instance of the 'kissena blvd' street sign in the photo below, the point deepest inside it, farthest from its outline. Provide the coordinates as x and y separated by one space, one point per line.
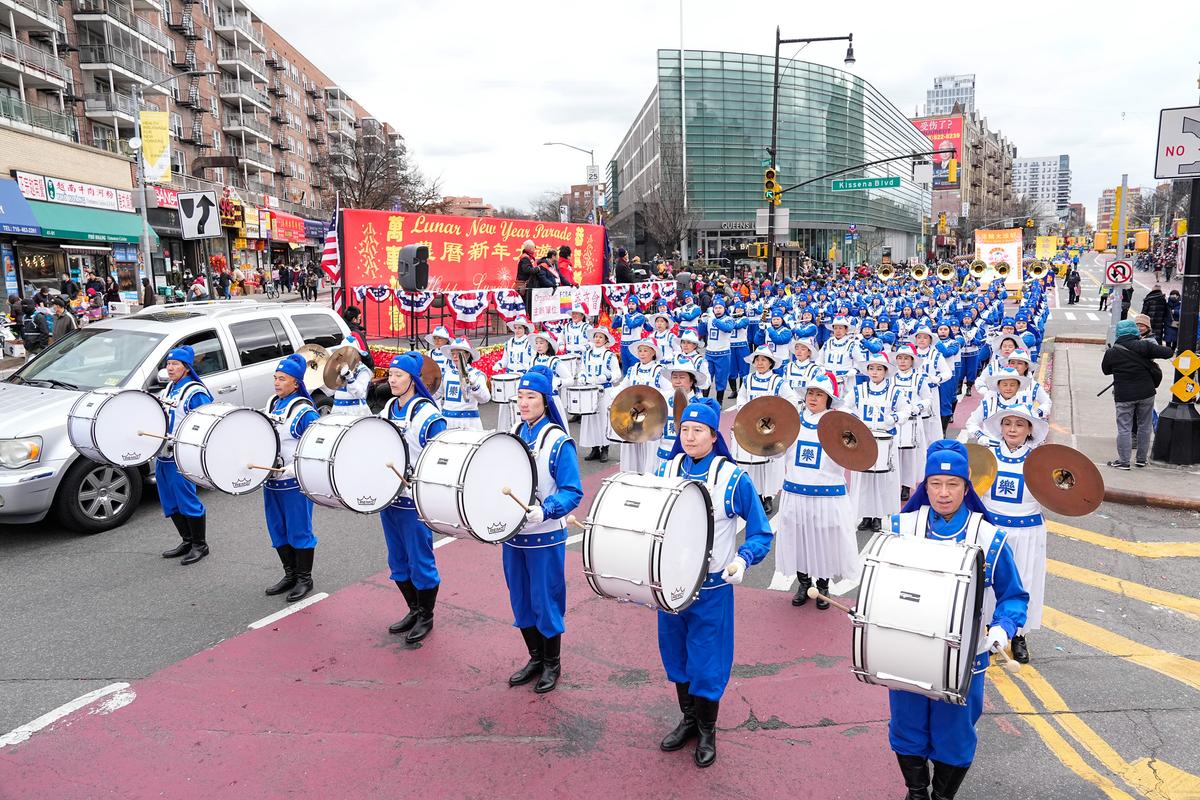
858 184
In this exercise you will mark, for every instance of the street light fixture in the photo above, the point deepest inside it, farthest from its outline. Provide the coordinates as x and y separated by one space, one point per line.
592 155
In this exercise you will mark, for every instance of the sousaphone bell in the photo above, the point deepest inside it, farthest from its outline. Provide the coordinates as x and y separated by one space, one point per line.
766 426
637 414
978 268
847 440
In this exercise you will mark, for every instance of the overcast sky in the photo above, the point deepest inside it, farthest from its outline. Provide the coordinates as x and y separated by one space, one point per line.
476 88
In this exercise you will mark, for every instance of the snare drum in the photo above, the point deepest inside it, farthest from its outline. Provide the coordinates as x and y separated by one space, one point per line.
581 399
917 623
504 387
648 540
743 456
883 461
347 462
216 444
906 434
459 480
571 364
104 425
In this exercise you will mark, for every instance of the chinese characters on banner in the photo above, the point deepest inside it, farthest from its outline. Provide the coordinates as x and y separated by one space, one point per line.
556 304
945 133
994 246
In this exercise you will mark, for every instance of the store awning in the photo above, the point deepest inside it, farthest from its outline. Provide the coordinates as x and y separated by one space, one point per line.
15 214
287 228
59 221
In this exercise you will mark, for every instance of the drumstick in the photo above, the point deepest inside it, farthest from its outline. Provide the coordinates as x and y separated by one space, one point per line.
573 520
155 436
268 469
1006 662
399 474
815 595
515 499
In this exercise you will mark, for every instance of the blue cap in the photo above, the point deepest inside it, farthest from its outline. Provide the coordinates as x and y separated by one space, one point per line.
707 411
540 379
186 355
1127 327
295 366
948 457
412 362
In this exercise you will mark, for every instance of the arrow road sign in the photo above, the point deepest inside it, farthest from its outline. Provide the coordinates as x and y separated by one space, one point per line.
198 215
1118 272
1178 154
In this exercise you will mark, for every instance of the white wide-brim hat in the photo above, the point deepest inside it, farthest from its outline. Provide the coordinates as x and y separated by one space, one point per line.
1041 426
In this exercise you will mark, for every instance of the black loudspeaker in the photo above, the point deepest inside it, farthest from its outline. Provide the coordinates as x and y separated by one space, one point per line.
413 269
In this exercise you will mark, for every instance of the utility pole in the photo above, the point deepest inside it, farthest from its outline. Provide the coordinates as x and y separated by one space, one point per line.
1114 298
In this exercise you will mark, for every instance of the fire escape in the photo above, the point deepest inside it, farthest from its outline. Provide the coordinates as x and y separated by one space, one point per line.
183 24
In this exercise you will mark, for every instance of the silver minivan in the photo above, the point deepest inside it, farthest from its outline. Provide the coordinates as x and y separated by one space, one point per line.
237 344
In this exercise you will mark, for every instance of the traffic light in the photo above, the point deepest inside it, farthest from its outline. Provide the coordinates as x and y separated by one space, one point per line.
952 171
770 186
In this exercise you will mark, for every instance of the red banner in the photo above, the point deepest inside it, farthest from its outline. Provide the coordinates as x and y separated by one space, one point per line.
287 228
465 253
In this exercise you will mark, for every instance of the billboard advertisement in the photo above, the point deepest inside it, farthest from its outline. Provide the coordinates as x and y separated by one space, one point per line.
946 136
994 246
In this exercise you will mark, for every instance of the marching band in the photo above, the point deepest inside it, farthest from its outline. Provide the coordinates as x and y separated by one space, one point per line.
843 399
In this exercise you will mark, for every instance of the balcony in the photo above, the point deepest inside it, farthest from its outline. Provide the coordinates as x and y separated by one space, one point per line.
281 143
337 108
279 115
232 58
237 27
35 15
343 128
181 23
246 123
316 137
107 105
232 90
17 114
39 68
275 87
123 18
103 56
312 112
313 91
261 160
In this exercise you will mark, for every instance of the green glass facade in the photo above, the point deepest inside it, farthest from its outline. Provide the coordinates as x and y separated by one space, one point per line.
829 119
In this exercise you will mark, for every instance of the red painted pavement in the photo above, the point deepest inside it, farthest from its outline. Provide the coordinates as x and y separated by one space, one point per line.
326 703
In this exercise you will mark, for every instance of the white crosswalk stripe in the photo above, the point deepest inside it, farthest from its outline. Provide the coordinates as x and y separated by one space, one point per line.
1091 315
1069 315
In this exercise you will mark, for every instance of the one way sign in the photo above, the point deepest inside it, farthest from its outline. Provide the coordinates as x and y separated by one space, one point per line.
1178 143
198 215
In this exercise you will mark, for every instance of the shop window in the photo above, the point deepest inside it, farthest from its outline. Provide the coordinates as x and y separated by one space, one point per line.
260 340
210 356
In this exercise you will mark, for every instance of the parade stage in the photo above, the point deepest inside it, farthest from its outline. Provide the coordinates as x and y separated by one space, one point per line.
325 703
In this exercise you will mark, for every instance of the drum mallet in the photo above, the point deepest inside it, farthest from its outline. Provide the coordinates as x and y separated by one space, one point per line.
815 595
266 469
399 474
1006 662
516 499
573 520
155 436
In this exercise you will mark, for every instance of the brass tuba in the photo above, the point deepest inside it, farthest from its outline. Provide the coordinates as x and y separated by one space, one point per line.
1037 269
919 272
1002 269
978 268
946 272
887 272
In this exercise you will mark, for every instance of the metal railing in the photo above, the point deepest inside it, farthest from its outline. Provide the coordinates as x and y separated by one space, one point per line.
34 58
253 154
123 15
36 116
107 54
241 23
248 122
489 329
46 8
115 102
254 62
234 86
335 106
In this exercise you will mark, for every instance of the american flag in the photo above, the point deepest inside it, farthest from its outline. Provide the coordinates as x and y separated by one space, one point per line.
331 264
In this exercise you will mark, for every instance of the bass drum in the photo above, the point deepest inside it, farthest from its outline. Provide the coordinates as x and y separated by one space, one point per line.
459 480
105 425
353 463
216 444
648 540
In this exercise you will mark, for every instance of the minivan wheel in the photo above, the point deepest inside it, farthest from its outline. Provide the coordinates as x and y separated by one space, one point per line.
96 497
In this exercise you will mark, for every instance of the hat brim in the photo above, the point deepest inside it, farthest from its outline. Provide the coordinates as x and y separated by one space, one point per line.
991 425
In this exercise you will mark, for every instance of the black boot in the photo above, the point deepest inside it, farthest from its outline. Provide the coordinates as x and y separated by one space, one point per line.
551 665
721 397
802 590
916 776
686 730
604 454
1020 650
185 534
864 523
287 555
823 588
199 542
876 524
426 600
593 455
905 491
533 669
304 581
946 423
706 725
410 597
574 418
946 780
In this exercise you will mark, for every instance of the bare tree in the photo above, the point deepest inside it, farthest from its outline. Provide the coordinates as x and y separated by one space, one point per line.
544 207
1168 202
667 214
868 245
374 171
512 212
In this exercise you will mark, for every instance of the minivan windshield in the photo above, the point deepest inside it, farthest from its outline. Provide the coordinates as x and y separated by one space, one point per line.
89 358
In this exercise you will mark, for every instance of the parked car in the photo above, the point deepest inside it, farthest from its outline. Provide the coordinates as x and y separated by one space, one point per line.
237 344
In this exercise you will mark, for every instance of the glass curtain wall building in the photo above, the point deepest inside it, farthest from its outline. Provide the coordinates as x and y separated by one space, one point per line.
829 119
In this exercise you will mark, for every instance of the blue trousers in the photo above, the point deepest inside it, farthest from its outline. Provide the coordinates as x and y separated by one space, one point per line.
289 516
947 396
537 587
970 367
718 369
409 547
628 359
738 368
696 645
176 493
935 729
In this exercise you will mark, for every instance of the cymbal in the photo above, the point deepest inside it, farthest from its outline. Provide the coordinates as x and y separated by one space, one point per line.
766 426
331 375
315 356
1064 480
637 414
983 467
431 374
847 440
680 403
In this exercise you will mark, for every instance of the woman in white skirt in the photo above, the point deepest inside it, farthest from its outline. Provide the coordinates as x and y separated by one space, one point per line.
517 359
815 523
646 371
1018 430
1034 395
685 376
910 380
762 381
692 347
935 369
462 394
879 404
600 367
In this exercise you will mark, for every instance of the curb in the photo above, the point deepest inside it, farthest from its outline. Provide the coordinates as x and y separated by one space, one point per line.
1079 340
1128 497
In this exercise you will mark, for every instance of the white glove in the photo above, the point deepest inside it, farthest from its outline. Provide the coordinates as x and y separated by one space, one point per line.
997 639
345 372
735 571
535 516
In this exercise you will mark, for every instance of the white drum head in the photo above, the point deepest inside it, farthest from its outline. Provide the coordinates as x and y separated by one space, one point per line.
118 421
504 387
500 460
240 438
361 476
684 552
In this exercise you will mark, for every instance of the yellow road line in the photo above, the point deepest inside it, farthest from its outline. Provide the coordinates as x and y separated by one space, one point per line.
1163 782
1054 740
1184 670
1139 549
1135 591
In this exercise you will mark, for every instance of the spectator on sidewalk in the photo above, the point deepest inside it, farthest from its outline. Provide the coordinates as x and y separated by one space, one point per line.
148 298
68 287
353 318
35 330
64 320
1154 306
630 271
1073 283
1174 306
1105 291
1130 362
1126 301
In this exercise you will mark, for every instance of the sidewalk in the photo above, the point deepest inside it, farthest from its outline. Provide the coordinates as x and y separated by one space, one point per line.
1088 423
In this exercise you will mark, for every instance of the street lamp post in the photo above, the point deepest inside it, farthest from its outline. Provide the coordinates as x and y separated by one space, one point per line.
592 155
773 149
136 144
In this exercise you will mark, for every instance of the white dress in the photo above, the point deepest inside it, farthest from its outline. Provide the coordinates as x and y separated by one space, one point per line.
815 524
641 457
461 399
1016 512
879 406
517 358
599 368
919 401
768 477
